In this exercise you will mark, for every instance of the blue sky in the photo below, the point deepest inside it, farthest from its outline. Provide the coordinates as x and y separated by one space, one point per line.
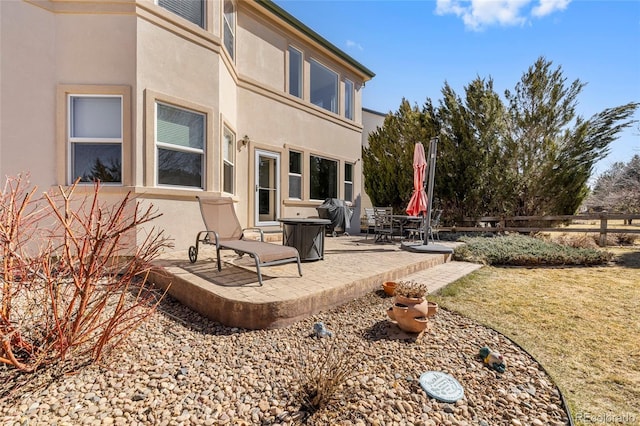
415 46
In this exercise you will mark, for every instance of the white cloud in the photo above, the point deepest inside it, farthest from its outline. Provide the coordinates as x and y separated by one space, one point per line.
549 6
479 14
353 45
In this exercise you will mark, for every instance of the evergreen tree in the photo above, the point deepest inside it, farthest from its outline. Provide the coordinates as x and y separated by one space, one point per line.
531 156
388 161
104 172
468 152
551 150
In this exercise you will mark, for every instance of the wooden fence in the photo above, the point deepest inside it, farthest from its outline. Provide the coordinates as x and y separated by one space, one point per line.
519 224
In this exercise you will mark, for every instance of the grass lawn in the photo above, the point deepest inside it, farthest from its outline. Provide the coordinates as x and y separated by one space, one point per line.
581 323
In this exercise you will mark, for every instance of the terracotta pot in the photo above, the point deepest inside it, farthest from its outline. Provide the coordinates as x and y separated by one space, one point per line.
410 313
391 314
406 320
432 309
389 287
417 305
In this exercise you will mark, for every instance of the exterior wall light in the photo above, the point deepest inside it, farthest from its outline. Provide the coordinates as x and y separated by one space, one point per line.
243 141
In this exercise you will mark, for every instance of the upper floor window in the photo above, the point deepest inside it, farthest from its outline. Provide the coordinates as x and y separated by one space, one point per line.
323 178
229 27
191 10
95 138
348 182
295 175
348 99
295 72
180 141
228 166
324 87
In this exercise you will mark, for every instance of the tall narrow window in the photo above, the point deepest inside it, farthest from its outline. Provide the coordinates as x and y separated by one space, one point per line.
295 72
323 178
180 141
228 154
229 27
348 182
295 175
95 137
192 10
324 87
348 99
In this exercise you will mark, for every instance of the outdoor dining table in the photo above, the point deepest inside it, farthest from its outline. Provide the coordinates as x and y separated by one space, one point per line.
404 220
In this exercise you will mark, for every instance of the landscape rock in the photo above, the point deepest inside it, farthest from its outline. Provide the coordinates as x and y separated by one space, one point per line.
180 368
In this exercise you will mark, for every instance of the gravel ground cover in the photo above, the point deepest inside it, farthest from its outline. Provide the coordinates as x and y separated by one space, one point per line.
182 369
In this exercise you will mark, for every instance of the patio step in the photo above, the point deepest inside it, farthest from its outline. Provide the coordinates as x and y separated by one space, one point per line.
351 268
273 236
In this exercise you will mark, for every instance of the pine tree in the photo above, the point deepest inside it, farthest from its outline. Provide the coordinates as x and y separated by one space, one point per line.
388 161
551 149
531 156
468 152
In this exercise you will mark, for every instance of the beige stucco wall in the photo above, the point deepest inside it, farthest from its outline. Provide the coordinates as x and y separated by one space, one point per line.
153 55
27 91
371 120
95 49
277 122
262 57
53 49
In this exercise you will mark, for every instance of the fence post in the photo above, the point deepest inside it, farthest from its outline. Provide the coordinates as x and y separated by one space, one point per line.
603 229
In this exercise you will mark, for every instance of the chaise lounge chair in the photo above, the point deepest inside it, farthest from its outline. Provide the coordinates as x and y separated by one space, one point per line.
224 231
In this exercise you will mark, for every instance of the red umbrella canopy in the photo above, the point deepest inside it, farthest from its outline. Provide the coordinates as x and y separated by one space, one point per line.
418 202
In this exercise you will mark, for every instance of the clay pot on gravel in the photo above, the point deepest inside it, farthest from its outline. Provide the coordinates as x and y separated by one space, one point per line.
389 287
432 309
410 313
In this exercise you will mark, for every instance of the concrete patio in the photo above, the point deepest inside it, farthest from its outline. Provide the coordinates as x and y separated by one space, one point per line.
352 267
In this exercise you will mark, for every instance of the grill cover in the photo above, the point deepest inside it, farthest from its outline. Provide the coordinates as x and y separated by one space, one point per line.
337 211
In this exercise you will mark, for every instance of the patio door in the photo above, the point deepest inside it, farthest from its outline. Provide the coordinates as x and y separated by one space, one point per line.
267 193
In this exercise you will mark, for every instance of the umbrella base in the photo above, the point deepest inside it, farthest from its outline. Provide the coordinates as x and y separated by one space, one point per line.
426 248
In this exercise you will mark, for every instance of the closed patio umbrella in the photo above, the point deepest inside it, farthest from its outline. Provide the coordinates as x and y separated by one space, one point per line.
418 202
425 208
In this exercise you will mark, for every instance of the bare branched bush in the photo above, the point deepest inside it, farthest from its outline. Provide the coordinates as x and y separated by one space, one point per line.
627 239
575 240
610 240
326 365
589 240
617 189
74 279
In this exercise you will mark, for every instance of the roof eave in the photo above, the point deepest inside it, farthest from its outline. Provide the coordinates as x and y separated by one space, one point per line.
297 24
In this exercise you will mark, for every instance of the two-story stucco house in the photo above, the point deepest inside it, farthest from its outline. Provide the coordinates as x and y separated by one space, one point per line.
170 99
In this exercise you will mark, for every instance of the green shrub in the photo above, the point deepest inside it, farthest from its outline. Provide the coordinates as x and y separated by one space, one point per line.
518 250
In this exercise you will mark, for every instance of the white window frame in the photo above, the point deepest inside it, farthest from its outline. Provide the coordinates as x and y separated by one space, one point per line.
231 26
179 148
337 164
299 70
70 178
348 182
349 96
203 17
335 76
296 175
229 150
